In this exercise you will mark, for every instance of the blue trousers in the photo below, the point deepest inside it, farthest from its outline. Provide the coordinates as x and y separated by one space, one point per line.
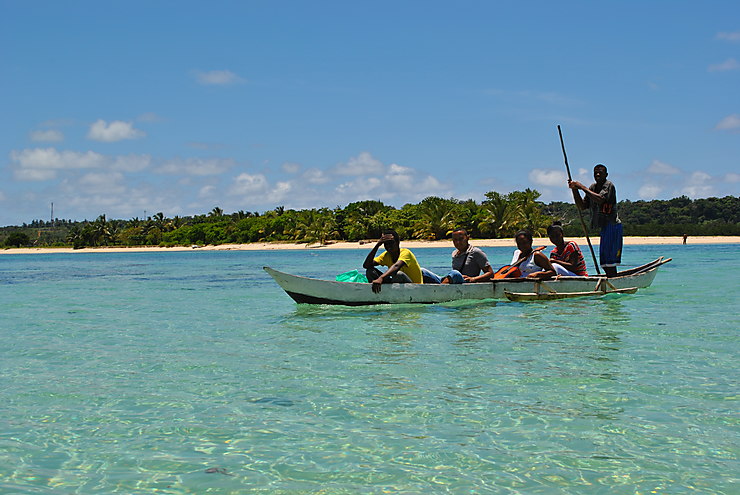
610 246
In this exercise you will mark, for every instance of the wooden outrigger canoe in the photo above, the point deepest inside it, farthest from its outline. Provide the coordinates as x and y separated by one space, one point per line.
315 291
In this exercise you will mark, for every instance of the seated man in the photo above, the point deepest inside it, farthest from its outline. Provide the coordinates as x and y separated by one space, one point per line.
469 263
401 263
566 257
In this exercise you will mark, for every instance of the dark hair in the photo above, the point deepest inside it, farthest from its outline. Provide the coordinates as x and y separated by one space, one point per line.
556 225
525 233
394 234
460 229
602 166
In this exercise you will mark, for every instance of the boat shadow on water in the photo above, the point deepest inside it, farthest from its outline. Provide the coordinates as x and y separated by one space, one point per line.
328 310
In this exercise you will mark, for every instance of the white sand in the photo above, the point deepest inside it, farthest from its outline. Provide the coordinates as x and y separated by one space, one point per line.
367 245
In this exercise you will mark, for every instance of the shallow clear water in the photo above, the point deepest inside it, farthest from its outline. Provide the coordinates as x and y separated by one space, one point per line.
192 372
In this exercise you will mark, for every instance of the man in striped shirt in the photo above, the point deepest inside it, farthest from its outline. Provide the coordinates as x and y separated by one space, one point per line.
566 257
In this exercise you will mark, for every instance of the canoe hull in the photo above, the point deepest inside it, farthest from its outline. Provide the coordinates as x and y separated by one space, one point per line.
314 291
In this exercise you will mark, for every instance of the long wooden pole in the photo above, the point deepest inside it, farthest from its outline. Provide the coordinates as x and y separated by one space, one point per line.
580 213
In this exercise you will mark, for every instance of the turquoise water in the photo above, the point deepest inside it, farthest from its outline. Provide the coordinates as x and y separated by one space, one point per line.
192 372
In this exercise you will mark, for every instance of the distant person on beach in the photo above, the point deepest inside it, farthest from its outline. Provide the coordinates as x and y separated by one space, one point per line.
532 263
566 257
402 265
601 199
685 236
469 263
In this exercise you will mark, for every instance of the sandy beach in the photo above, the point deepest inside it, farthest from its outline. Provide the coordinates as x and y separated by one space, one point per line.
367 244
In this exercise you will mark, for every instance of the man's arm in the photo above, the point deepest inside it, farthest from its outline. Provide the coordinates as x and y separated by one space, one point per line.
486 275
568 265
370 260
377 284
393 268
592 196
571 262
483 265
544 263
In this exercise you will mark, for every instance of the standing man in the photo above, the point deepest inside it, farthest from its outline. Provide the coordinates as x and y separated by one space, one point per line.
401 263
601 199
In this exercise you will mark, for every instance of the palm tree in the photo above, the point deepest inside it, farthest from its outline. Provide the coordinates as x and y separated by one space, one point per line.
312 226
177 222
531 211
436 217
359 219
102 232
161 222
73 235
499 216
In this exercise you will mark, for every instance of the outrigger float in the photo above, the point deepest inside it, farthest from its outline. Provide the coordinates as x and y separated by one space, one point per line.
305 290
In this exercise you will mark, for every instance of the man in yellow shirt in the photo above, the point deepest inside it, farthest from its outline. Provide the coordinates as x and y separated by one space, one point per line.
401 263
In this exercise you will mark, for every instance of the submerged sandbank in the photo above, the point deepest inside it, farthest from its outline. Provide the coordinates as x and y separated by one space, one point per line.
368 244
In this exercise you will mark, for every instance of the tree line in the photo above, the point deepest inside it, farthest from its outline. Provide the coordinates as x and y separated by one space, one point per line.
497 216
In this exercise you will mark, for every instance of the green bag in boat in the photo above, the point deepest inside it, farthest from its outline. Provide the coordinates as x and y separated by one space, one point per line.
352 276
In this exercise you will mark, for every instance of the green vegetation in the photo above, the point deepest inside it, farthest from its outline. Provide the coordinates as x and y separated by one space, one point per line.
498 216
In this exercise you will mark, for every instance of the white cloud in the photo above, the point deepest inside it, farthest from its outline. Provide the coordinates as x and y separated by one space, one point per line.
49 136
108 192
727 65
131 163
256 190
317 188
670 182
42 163
649 191
217 78
117 130
34 174
110 182
248 184
362 164
315 176
733 36
290 168
698 185
430 185
395 169
661 168
548 178
207 191
401 182
196 166
729 123
280 192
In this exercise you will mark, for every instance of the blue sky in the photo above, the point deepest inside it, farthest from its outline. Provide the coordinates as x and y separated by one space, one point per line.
122 108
